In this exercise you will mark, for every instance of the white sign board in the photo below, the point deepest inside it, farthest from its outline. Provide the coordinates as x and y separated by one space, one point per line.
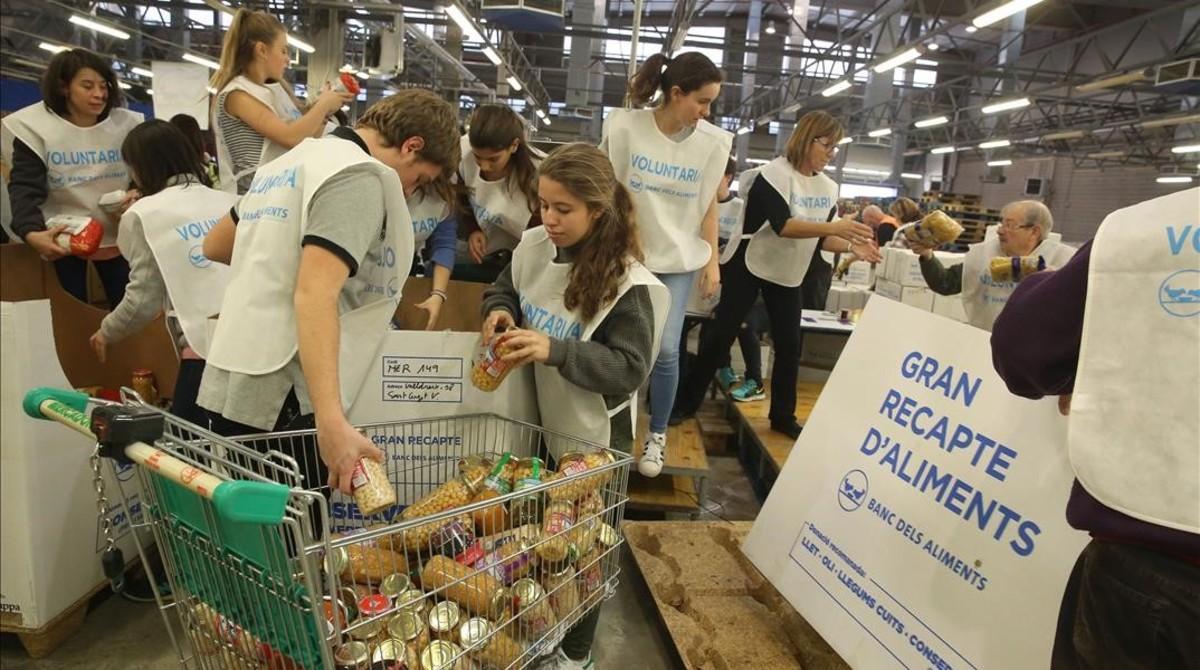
181 88
919 521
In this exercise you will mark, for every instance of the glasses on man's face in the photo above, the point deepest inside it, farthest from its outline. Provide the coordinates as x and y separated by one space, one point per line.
1011 225
826 144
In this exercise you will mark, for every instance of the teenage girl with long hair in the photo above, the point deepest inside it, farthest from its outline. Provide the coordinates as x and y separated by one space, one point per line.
578 304
162 236
255 115
672 161
499 171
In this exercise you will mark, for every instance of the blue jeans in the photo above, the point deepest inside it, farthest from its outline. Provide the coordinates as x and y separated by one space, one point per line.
664 378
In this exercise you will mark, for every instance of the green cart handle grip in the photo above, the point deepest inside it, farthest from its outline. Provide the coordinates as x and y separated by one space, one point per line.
243 501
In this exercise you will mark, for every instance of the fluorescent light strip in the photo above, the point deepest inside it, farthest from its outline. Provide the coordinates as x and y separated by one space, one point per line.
911 175
743 130
836 88
514 82
1065 135
943 150
464 22
1002 12
995 144
931 122
846 140
362 74
1107 154
98 27
52 48
200 60
1170 121
142 72
1006 105
1001 163
1181 179
971 29
300 44
896 61
492 55
880 132
149 91
1186 149
124 86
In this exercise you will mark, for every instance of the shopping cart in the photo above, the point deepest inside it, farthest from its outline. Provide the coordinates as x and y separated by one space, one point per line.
268 568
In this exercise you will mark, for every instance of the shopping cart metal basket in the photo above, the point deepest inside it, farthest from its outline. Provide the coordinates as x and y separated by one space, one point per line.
269 568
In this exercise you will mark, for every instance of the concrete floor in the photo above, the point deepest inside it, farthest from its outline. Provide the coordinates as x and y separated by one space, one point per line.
122 635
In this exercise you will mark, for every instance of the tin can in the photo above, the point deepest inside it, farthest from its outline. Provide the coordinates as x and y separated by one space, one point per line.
452 538
389 655
474 633
444 619
536 615
369 625
413 600
608 535
440 655
336 560
408 627
349 598
352 656
395 584
143 382
562 592
335 613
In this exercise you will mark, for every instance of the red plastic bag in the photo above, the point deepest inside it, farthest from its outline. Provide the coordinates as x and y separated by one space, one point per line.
83 234
350 83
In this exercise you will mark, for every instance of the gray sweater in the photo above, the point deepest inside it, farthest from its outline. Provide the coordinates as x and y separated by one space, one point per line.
613 363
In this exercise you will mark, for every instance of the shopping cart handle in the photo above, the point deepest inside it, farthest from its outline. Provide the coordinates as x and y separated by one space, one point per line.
251 502
34 399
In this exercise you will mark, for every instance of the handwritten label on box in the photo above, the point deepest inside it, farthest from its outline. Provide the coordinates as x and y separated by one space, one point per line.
420 367
412 390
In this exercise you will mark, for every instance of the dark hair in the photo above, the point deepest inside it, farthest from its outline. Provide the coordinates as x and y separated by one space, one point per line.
689 71
730 167
190 127
602 260
417 112
62 69
495 127
155 151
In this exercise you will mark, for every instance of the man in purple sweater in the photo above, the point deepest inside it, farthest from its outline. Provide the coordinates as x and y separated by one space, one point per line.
1133 598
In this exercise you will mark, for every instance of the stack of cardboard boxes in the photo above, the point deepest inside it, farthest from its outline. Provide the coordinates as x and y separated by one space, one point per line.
899 278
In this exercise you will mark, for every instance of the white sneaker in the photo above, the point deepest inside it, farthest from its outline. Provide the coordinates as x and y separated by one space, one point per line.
559 661
654 452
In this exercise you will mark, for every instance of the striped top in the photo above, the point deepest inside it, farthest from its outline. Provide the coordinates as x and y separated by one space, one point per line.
245 144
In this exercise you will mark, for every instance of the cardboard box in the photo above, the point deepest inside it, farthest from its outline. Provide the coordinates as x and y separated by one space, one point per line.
917 296
845 296
821 350
949 306
860 273
906 268
888 289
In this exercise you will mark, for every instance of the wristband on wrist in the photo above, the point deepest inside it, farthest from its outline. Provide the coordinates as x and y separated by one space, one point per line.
439 293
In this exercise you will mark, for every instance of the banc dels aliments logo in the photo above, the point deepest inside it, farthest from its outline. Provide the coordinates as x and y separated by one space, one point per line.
635 183
852 490
1179 294
196 257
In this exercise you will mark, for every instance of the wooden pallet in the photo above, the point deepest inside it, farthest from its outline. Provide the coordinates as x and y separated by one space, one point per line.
685 449
757 426
664 493
42 641
717 607
716 431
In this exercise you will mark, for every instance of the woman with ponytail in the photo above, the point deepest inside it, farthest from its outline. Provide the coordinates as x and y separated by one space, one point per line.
255 116
499 170
672 162
577 302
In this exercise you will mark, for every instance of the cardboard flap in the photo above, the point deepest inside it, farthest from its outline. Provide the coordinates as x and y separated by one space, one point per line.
460 312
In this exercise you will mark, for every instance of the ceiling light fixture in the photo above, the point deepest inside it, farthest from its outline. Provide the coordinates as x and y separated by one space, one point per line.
880 132
771 28
1186 149
1110 82
300 44
943 150
1175 179
142 72
994 144
931 122
897 60
149 91
1000 163
1106 154
1065 135
1002 12
514 82
1170 121
911 175
972 29
743 130
362 74
52 48
846 140
1006 105
98 27
933 46
836 88
492 55
200 60
470 33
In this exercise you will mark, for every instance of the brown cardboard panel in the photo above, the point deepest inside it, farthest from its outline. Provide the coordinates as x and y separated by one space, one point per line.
21 273
460 313
74 323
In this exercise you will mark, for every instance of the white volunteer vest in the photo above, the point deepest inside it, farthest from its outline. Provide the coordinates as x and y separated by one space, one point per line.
672 184
730 216
175 222
782 260
427 210
983 298
503 213
82 164
566 408
274 97
1134 431
256 332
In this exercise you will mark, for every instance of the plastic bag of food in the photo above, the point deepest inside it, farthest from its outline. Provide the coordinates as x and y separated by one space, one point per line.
83 234
1015 268
935 229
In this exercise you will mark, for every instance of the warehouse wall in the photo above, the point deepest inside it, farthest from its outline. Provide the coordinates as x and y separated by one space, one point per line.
1080 198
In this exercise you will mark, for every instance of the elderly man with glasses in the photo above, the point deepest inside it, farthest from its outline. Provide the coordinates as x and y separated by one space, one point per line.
1025 230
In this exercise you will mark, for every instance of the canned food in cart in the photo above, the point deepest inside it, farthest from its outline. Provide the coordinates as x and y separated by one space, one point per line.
444 620
474 633
395 584
389 655
413 600
353 655
409 628
442 655
536 616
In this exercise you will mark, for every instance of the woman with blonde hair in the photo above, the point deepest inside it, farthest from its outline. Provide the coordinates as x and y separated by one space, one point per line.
578 304
790 209
255 115
672 160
